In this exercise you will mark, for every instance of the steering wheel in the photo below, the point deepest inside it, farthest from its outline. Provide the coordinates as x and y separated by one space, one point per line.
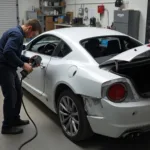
49 48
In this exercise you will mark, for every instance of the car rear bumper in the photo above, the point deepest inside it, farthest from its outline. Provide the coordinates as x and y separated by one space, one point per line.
121 119
102 127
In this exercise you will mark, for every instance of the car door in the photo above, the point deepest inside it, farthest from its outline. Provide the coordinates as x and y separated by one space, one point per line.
56 69
44 47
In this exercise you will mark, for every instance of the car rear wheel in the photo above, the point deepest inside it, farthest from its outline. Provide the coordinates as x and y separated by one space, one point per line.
72 116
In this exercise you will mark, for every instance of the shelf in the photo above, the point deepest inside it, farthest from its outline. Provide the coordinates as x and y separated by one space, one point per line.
57 26
67 25
51 15
53 6
55 15
47 11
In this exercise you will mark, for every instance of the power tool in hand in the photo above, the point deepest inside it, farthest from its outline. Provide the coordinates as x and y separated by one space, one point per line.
35 61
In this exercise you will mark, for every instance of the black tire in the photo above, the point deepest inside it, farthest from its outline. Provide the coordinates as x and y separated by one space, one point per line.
84 131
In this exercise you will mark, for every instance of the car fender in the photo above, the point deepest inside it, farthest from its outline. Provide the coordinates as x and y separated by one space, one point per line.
86 80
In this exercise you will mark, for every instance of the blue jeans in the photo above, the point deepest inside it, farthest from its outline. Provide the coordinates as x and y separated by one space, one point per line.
12 92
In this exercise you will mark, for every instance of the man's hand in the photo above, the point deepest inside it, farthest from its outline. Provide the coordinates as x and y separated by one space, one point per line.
27 67
32 59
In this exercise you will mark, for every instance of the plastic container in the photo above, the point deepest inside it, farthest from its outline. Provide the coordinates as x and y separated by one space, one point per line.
56 3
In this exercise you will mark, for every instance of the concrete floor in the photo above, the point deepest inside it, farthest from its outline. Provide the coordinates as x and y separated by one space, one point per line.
51 137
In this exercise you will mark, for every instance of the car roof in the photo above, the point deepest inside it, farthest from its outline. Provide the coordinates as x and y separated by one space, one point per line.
80 33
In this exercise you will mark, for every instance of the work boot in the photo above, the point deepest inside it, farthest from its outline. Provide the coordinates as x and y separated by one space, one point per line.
11 130
20 122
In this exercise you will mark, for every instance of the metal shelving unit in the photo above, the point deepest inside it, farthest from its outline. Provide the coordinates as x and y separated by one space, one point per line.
52 6
50 10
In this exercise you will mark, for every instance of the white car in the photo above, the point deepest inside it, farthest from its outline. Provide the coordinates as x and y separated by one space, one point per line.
96 80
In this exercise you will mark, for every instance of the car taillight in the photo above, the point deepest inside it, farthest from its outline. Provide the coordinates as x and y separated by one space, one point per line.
117 92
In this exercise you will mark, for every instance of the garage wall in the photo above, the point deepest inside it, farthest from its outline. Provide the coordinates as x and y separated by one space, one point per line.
142 6
25 5
109 5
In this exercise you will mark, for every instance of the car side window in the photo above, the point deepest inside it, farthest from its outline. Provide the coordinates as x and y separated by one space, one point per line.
64 50
45 45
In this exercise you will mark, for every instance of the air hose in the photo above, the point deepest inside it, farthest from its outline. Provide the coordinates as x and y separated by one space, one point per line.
36 129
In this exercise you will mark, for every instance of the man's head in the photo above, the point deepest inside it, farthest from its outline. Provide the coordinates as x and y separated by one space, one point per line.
32 28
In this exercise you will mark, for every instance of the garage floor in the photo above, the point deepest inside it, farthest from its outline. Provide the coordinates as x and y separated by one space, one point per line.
51 137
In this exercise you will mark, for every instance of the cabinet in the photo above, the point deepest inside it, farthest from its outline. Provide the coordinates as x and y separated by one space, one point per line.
127 21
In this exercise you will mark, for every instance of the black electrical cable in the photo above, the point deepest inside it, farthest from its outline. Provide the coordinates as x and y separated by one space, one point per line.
36 129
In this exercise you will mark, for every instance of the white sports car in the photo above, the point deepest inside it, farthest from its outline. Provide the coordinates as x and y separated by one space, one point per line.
96 80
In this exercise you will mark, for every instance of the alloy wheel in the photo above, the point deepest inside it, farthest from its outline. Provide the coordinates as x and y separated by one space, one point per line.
69 116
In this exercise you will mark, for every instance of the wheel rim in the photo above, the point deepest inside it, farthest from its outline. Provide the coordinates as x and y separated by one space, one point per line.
69 116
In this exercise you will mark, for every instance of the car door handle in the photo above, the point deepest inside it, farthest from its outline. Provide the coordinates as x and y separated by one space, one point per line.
42 66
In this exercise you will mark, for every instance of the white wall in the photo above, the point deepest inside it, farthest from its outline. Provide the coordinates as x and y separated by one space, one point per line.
142 6
109 5
25 5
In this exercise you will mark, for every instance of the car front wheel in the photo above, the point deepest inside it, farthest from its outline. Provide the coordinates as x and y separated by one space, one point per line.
72 116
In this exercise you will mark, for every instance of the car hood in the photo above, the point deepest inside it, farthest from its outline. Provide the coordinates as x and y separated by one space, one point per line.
128 55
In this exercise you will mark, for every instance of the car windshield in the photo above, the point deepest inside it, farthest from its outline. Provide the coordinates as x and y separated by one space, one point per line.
106 47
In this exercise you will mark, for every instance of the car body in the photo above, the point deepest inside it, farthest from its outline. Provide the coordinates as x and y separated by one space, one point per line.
81 87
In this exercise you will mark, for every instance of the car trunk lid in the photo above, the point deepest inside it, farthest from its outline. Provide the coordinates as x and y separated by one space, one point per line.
128 55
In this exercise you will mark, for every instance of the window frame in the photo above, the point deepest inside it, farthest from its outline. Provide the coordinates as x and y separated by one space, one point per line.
58 49
29 46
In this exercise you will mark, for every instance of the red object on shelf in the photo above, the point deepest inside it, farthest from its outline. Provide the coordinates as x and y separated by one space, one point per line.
101 9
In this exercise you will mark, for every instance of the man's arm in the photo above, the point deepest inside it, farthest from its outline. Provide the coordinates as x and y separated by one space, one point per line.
11 49
25 59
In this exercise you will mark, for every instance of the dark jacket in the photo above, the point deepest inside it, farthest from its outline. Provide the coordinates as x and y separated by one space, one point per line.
11 46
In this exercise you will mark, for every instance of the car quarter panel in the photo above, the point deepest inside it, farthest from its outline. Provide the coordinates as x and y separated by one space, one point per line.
83 79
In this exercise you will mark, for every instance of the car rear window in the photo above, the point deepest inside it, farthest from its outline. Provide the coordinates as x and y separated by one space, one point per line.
108 45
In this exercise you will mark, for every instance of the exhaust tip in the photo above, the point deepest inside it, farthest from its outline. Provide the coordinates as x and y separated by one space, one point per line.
132 134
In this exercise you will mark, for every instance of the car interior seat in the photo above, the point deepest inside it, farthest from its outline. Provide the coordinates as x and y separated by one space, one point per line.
93 47
113 47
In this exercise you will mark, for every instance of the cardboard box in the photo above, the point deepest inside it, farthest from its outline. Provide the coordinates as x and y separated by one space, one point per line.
62 3
60 20
49 23
70 15
49 19
49 26
39 12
